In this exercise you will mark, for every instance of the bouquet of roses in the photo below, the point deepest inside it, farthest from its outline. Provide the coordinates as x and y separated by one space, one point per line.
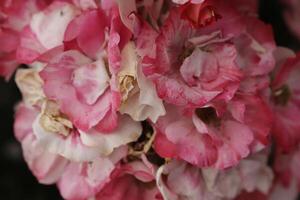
154 99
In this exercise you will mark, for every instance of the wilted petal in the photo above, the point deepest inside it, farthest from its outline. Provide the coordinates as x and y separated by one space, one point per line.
30 84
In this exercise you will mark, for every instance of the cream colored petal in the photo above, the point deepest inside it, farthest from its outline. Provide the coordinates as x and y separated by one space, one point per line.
128 74
129 61
143 102
30 85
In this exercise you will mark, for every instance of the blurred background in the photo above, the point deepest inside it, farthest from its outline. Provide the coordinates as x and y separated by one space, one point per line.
17 182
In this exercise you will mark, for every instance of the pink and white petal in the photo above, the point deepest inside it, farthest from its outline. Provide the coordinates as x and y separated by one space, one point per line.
174 91
236 144
46 167
199 64
144 104
256 175
30 47
193 147
50 25
91 81
179 181
58 86
145 46
164 190
24 118
109 122
88 30
119 36
178 138
241 139
118 154
85 180
82 115
127 131
140 170
70 147
164 147
222 184
258 59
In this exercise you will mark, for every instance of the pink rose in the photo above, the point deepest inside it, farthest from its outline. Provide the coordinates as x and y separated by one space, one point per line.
209 136
71 79
189 68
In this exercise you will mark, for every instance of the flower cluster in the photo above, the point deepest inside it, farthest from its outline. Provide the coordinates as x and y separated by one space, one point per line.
153 99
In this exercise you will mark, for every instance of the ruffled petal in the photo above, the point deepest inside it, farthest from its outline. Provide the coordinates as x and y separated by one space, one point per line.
126 132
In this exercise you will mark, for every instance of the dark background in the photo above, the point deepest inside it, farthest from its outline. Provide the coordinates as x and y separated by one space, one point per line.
17 182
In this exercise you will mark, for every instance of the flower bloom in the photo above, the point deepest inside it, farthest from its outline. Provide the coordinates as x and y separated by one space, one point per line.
214 137
154 100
